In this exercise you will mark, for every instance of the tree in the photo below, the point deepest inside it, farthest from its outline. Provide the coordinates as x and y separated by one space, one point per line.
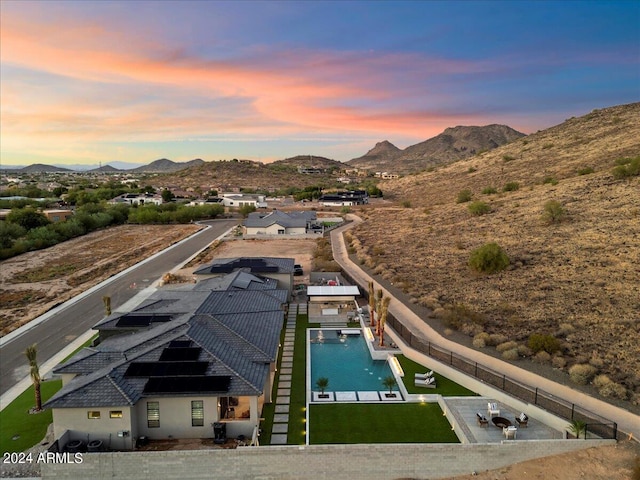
378 309
322 383
167 195
577 427
489 258
31 353
372 304
553 211
384 309
27 218
389 382
245 210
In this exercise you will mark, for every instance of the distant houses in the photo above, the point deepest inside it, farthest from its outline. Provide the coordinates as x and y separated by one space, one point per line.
191 361
346 198
137 199
278 222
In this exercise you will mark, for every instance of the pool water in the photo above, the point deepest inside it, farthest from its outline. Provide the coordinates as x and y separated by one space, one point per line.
346 362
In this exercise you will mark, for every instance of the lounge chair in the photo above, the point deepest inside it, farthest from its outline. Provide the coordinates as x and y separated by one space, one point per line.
492 409
427 382
510 432
522 420
423 376
482 420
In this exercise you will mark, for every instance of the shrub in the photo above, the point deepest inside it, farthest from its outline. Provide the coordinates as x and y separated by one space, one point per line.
511 187
524 351
480 340
582 373
406 204
542 357
585 171
479 208
489 190
458 315
547 146
508 158
464 196
511 354
496 339
553 211
547 343
627 167
472 169
503 347
489 258
551 180
558 362
614 390
601 381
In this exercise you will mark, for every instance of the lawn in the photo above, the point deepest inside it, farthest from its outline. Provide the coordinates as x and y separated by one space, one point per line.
444 386
15 419
378 423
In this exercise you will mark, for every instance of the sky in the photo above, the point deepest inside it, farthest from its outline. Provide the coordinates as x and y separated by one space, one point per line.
93 82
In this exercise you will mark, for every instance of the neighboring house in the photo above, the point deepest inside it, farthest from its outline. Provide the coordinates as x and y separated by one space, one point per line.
241 200
387 175
348 198
206 201
279 223
279 269
137 199
188 357
57 215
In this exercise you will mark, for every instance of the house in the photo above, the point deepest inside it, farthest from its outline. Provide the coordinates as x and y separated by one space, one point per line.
279 223
57 215
137 199
241 200
186 359
279 269
342 199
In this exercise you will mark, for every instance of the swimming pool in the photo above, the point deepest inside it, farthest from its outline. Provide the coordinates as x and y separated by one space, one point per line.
346 362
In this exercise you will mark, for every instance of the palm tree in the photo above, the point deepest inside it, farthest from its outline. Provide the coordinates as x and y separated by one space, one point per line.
378 308
107 305
577 427
384 309
322 383
31 353
372 304
389 382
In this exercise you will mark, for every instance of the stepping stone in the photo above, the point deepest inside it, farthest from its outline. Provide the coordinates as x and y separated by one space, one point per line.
284 384
286 371
279 439
286 365
282 409
280 428
286 377
281 418
283 392
283 400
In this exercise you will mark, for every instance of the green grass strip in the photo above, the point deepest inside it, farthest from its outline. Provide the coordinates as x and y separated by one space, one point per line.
16 421
350 423
444 386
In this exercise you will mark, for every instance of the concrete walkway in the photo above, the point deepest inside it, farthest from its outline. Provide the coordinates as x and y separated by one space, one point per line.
627 421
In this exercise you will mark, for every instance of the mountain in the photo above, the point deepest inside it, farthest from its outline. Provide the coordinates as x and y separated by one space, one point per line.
105 169
453 144
164 165
310 161
574 278
40 167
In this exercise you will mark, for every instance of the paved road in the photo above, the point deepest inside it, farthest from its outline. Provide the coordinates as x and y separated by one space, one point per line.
60 327
627 421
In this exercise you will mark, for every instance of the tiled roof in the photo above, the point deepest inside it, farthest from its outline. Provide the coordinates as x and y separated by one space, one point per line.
255 265
239 301
287 220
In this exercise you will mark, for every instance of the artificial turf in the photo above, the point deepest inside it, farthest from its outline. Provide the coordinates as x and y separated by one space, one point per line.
444 386
350 423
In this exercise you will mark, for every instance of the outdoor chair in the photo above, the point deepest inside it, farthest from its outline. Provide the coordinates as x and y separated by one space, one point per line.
510 432
522 420
423 376
492 409
427 382
482 420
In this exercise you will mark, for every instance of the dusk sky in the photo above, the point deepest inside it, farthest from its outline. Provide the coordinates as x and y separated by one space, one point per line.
89 82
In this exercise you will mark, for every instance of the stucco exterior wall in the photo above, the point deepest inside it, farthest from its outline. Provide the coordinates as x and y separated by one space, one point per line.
80 427
175 417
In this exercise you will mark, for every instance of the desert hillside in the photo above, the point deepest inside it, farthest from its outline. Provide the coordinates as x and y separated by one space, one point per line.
576 278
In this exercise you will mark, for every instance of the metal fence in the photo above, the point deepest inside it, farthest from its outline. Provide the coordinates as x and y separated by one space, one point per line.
594 424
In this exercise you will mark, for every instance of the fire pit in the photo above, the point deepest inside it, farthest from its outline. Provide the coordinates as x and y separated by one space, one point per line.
501 422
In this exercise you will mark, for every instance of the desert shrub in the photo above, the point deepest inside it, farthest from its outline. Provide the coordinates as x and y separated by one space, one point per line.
585 171
565 329
496 339
511 354
553 211
459 314
511 187
614 390
542 357
627 167
489 258
582 373
538 342
406 204
508 158
464 196
480 340
503 347
558 362
345 210
551 180
479 208
601 380
472 169
489 190
546 146
524 351
596 360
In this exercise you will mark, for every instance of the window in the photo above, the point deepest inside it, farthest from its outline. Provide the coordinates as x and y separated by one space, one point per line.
93 415
115 414
197 413
153 414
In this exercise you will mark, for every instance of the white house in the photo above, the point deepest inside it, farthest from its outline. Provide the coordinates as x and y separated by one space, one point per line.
277 222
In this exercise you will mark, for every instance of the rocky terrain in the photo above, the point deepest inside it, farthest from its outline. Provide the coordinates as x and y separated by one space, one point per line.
574 278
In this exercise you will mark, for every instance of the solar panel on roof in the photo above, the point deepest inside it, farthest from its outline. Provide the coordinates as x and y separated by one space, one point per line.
217 384
141 320
166 369
180 343
180 354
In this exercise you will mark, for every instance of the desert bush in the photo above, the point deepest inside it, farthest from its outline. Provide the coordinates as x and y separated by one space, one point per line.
406 204
550 180
542 357
511 345
614 390
458 315
553 211
464 196
511 187
558 362
511 354
596 360
345 210
546 146
489 258
479 208
585 171
480 340
524 351
508 158
565 329
472 169
538 342
496 339
627 167
601 380
489 190
582 373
